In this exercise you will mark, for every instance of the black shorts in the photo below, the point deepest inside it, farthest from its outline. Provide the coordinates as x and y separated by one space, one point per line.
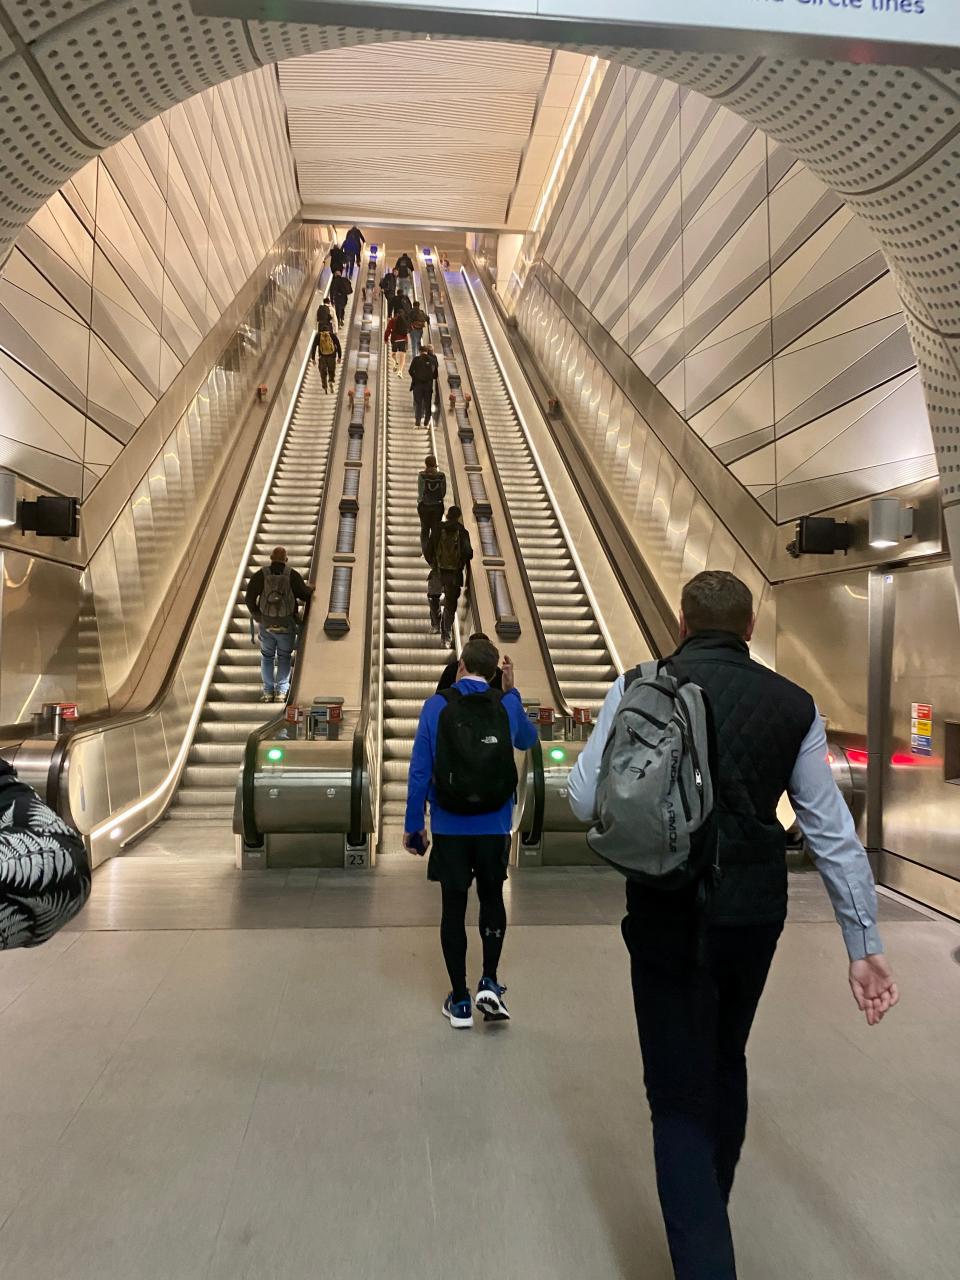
398 344
455 860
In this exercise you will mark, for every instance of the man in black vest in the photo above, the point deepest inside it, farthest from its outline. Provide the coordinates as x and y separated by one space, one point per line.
697 980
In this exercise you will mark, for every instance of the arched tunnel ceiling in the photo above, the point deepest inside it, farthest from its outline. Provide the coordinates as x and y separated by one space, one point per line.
76 76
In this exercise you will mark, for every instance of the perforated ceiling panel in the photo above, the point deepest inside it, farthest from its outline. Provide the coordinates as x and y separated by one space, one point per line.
440 127
886 140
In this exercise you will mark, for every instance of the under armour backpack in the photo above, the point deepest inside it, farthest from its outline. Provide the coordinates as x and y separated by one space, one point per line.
278 604
325 343
447 555
655 791
474 770
434 488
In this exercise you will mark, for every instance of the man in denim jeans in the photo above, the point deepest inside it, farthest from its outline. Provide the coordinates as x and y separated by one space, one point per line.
272 600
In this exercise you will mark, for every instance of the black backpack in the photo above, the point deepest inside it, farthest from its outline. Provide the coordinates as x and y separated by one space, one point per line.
434 489
474 770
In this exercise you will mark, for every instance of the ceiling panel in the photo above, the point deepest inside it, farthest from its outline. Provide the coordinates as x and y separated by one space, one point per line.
413 129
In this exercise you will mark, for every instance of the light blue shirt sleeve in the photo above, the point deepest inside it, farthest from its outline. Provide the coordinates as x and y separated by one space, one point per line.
582 782
828 827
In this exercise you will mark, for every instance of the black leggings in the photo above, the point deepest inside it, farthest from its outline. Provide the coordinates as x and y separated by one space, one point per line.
453 932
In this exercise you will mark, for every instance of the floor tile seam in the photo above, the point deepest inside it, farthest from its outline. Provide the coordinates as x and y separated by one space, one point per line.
268 1046
36 978
40 1176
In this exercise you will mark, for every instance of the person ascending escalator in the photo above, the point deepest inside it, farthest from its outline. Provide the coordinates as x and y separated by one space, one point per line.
449 557
272 600
338 293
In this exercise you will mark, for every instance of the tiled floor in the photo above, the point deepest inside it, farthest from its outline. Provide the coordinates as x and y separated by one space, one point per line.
206 1079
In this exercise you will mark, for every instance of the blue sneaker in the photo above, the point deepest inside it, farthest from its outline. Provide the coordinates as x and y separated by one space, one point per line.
460 1012
490 1001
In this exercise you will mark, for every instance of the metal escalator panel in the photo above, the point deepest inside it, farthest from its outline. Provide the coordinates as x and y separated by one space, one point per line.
573 635
409 676
233 707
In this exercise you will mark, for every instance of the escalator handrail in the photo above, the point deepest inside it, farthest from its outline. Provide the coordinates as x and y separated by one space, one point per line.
358 753
97 724
560 701
533 837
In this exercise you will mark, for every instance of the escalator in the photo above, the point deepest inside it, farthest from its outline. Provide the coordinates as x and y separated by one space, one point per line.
413 656
289 519
572 634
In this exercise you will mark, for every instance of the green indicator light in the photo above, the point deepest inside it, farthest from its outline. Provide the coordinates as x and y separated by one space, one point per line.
558 753
275 754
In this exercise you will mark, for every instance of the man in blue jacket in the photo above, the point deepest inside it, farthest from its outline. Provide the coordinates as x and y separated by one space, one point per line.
468 844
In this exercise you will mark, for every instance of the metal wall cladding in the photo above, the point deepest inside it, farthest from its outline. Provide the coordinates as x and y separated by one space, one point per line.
921 814
822 644
118 278
676 529
751 296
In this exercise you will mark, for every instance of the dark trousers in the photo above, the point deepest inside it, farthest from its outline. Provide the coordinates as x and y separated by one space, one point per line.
422 400
431 517
694 1014
328 370
350 264
456 861
339 308
450 583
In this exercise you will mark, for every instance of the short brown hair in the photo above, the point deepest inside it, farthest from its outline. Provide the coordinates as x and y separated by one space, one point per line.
480 658
430 461
717 601
279 554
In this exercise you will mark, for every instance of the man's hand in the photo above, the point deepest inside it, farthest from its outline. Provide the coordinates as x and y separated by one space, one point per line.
873 987
509 676
416 842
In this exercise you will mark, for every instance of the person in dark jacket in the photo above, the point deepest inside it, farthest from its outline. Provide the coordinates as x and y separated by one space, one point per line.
324 317
404 271
448 677
431 491
450 554
466 846
272 597
44 866
338 259
424 371
388 287
329 354
338 294
353 243
396 334
399 304
699 971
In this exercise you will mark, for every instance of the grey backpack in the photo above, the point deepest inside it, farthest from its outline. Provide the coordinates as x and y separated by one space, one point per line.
278 604
655 797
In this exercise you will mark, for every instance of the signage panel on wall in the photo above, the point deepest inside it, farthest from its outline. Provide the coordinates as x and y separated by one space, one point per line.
856 25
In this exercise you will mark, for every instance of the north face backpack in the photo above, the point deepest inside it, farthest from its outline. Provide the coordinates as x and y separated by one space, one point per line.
474 770
433 489
447 554
325 343
655 791
278 604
